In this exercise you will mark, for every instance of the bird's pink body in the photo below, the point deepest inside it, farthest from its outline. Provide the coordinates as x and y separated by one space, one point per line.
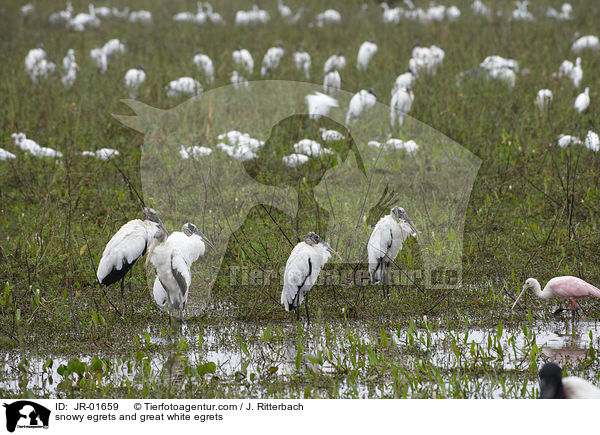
571 287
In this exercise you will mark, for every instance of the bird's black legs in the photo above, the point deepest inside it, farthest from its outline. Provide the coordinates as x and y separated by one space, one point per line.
385 278
122 292
306 306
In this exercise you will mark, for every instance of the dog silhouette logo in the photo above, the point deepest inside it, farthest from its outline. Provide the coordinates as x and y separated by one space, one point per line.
26 414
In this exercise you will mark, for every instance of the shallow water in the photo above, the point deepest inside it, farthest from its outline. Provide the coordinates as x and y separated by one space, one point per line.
352 359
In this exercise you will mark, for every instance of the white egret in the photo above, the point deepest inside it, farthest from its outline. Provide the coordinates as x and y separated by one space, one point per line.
134 79
385 243
362 100
365 53
332 82
302 61
272 58
302 270
126 246
172 258
242 60
554 386
582 101
33 147
69 69
205 65
183 86
400 105
319 104
543 99
335 62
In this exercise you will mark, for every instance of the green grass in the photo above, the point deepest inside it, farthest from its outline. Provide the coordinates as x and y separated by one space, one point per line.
532 212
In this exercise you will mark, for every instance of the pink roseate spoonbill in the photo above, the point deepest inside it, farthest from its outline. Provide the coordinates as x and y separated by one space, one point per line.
554 386
565 287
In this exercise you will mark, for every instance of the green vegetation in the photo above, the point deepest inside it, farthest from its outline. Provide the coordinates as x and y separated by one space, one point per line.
532 212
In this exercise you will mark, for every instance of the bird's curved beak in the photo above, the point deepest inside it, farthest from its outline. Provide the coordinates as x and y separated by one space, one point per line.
331 250
412 227
519 297
207 241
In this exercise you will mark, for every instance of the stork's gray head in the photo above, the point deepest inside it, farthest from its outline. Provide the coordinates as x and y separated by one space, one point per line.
140 67
401 216
190 229
149 214
312 239
340 53
279 44
372 92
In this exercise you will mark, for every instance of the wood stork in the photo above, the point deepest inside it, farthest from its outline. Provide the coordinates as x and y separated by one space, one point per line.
592 141
402 100
365 53
565 287
335 62
385 243
205 65
576 73
554 386
271 59
134 79
242 60
319 104
183 86
126 246
543 99
69 69
302 270
404 80
582 101
590 42
172 258
302 61
332 82
37 64
362 100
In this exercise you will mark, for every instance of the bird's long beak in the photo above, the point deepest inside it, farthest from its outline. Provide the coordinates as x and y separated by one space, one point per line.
518 298
330 249
150 251
207 241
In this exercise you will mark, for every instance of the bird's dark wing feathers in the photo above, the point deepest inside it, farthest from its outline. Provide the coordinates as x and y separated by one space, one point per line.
179 278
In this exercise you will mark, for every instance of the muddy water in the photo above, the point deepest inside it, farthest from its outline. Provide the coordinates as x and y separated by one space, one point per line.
249 350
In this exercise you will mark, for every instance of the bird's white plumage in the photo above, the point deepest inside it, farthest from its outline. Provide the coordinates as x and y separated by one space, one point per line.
205 65
133 80
385 242
582 101
578 388
183 86
126 246
38 66
299 277
543 99
271 60
365 53
33 147
332 82
361 101
302 61
69 69
335 62
242 60
319 104
400 105
6 155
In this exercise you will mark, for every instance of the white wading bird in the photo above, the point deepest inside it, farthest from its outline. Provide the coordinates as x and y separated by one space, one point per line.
37 65
242 61
183 86
402 100
362 100
134 79
205 65
126 246
302 270
335 62
543 99
554 386
332 82
590 42
302 61
69 69
365 53
576 73
404 80
271 59
582 101
172 258
319 104
385 243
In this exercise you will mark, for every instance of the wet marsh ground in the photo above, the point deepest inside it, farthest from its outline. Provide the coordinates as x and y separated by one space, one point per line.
532 212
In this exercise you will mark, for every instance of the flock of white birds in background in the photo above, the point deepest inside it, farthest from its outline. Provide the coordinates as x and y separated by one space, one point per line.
425 61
